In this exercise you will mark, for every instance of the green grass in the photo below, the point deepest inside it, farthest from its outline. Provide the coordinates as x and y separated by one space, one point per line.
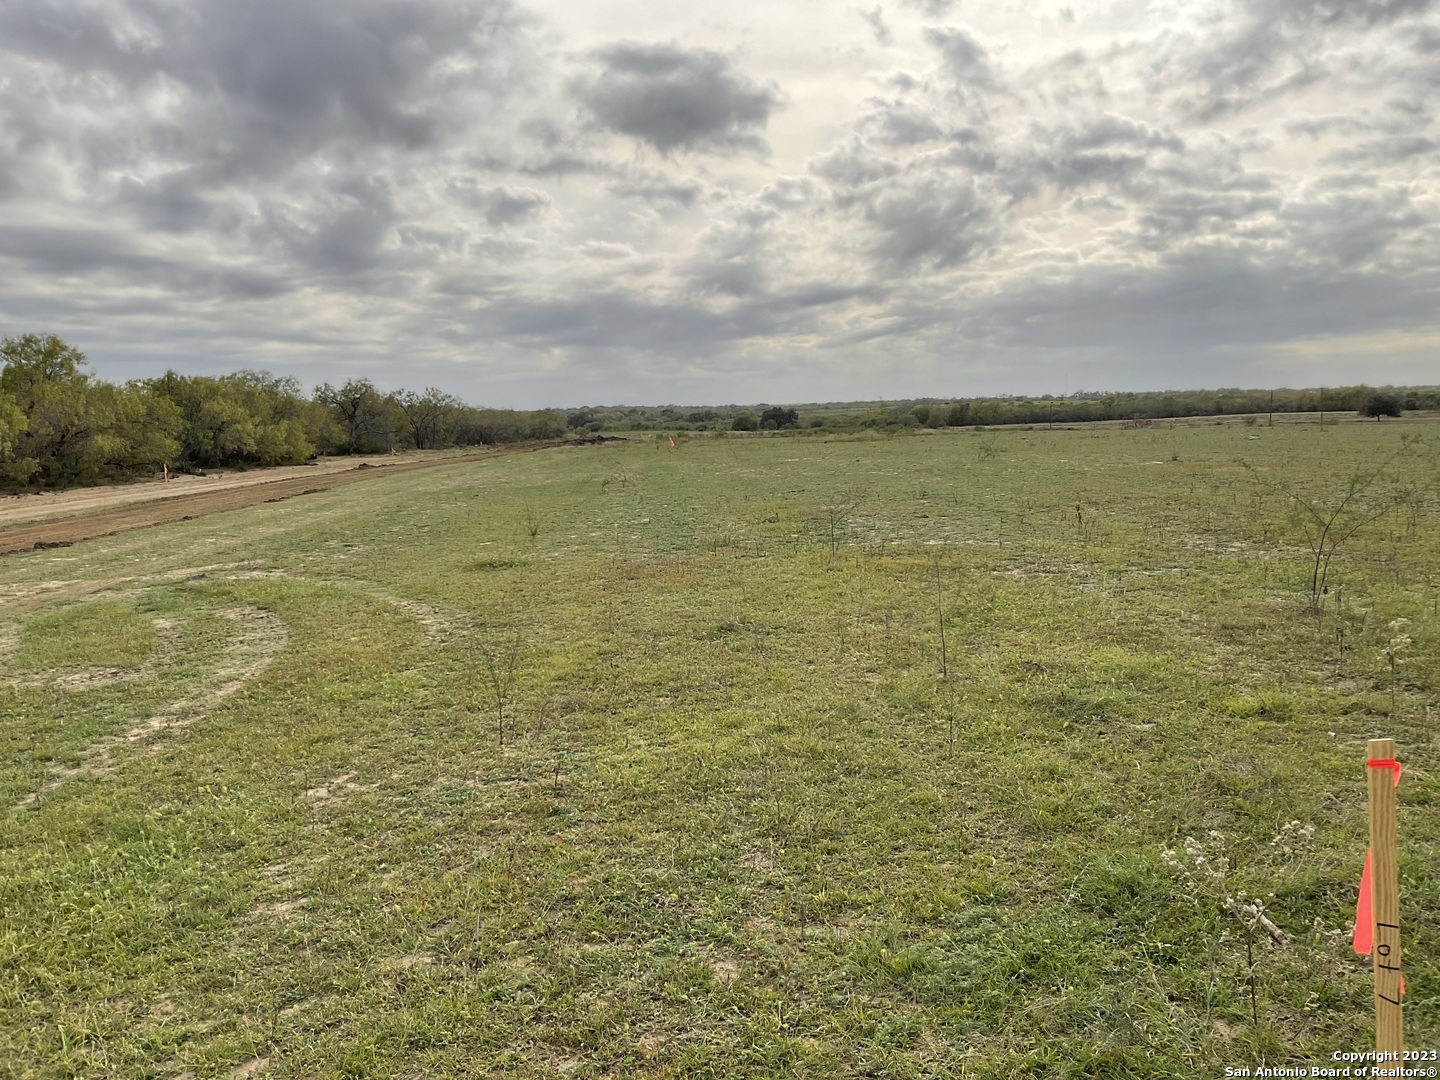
740 824
103 634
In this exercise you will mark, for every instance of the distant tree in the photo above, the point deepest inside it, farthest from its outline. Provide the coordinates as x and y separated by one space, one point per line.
922 414
744 420
431 417
958 415
1381 404
248 418
359 411
580 419
776 417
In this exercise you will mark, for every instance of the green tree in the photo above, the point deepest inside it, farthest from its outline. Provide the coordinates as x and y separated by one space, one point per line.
431 417
777 417
1381 404
13 423
45 378
248 418
73 429
744 420
360 413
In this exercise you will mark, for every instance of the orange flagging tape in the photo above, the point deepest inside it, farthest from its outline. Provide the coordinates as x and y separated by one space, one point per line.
1364 913
1364 918
1385 763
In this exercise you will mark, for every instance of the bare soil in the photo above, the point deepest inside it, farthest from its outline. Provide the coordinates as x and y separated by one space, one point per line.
30 522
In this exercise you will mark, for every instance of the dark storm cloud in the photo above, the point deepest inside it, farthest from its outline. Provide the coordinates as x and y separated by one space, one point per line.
677 99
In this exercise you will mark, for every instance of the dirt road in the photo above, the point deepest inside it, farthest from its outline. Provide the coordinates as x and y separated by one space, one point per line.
61 520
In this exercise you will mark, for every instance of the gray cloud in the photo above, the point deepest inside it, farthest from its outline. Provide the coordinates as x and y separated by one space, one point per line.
938 220
657 189
270 80
1271 49
933 9
967 60
875 19
1156 198
896 123
1388 151
678 99
502 204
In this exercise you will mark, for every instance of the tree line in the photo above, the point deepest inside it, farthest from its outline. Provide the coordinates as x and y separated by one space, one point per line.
1081 407
62 427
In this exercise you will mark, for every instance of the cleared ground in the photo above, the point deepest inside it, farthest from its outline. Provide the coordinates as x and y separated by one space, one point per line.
624 761
49 520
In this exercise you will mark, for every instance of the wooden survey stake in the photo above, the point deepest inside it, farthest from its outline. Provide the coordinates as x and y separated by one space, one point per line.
1381 773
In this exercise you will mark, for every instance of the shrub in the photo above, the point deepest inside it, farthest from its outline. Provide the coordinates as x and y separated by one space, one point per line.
776 417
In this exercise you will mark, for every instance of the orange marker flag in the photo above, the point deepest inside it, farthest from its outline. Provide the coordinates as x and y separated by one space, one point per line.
1364 917
1364 936
672 442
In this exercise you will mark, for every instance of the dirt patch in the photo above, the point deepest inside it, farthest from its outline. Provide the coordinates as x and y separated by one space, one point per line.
253 1067
281 909
324 790
257 638
157 504
95 678
759 862
724 971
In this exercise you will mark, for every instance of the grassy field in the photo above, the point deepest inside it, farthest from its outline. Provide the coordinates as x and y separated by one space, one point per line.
624 761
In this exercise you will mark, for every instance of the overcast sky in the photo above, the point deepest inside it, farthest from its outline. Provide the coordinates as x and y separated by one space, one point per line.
557 202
